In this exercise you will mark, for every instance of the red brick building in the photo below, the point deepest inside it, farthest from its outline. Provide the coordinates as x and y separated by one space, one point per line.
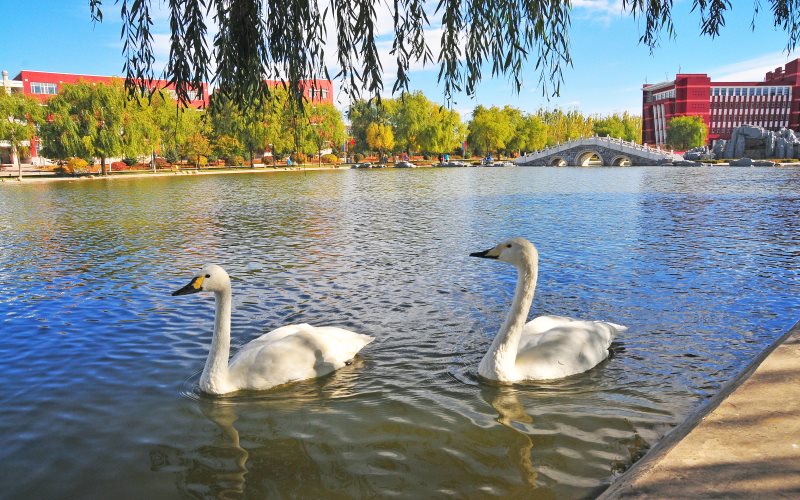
42 85
772 104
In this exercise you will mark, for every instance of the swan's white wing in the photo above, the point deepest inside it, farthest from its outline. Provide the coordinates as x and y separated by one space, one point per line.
542 324
280 332
294 352
567 347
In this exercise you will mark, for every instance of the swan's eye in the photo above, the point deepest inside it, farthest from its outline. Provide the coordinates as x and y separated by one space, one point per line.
508 246
208 275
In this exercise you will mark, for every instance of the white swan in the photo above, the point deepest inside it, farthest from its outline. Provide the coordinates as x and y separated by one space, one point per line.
548 347
286 354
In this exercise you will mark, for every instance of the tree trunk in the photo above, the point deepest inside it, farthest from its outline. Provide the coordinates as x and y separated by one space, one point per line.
15 158
319 157
153 161
252 165
103 165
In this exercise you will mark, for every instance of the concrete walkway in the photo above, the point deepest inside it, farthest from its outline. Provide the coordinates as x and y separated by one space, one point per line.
745 443
48 176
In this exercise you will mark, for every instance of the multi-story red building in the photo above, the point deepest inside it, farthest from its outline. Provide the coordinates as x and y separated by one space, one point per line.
772 104
43 85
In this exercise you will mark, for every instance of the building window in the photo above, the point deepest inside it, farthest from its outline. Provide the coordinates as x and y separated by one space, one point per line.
44 88
190 94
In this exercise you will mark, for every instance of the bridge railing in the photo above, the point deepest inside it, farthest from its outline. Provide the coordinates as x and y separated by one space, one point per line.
598 141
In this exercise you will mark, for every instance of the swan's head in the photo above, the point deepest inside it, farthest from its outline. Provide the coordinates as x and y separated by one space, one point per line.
211 278
516 251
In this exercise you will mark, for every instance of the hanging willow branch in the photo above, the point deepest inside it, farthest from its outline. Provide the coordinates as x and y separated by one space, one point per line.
285 40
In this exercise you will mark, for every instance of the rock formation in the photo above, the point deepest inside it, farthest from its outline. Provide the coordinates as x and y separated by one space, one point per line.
750 141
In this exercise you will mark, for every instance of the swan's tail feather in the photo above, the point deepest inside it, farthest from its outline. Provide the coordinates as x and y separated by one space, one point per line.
618 328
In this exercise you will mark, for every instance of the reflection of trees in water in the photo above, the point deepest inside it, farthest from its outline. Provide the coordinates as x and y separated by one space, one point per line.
258 458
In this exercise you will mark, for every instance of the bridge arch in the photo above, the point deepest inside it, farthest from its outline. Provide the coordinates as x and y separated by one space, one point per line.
621 161
558 161
589 158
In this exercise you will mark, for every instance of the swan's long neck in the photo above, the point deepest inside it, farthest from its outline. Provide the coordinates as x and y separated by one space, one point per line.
214 379
499 363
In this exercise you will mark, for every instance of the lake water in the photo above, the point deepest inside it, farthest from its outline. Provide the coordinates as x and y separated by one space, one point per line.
99 364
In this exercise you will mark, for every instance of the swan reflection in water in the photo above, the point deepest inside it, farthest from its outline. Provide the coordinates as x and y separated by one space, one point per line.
511 414
248 442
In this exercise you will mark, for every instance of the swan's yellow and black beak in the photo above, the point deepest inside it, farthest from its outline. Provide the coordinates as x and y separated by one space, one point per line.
194 286
486 254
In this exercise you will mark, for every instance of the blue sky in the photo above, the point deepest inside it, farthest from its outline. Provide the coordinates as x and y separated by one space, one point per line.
609 65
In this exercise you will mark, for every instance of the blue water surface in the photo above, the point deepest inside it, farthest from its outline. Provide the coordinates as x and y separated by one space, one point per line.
99 364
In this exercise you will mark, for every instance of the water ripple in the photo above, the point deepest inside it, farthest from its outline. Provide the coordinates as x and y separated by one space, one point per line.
99 360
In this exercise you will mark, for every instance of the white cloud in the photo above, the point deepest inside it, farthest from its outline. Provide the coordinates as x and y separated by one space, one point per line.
600 11
752 69
604 6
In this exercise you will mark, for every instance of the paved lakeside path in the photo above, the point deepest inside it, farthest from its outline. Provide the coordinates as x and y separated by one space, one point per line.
744 443
139 175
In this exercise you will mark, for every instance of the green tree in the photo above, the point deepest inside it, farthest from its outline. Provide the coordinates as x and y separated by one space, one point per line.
489 130
86 121
158 125
175 125
442 130
531 133
611 126
196 147
19 117
514 118
227 147
686 132
380 137
624 126
361 114
327 127
410 116
633 127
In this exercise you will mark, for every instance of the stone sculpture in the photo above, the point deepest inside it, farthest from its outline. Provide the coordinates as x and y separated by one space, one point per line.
750 141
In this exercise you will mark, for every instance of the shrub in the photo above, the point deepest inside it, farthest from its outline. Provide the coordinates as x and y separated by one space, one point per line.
299 158
234 160
162 163
330 158
130 161
358 157
74 166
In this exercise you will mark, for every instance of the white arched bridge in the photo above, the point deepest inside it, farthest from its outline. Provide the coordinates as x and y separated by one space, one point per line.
599 151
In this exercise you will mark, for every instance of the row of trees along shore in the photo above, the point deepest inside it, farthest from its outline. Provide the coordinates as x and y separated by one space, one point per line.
99 121
86 121
414 124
